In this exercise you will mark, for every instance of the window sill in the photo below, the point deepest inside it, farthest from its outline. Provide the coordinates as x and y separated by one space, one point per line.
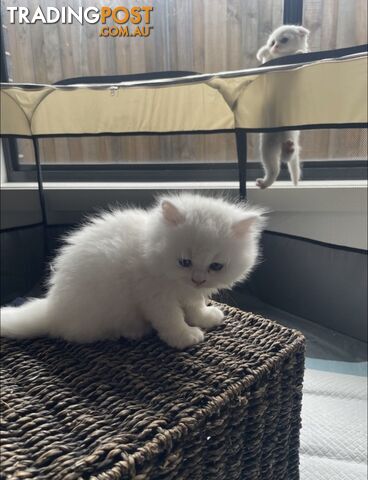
281 185
333 212
309 196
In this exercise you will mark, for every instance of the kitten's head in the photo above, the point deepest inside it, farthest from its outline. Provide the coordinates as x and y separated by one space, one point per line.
287 40
202 242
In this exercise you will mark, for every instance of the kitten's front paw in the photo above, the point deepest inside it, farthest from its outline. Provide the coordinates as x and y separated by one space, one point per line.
186 338
261 183
209 317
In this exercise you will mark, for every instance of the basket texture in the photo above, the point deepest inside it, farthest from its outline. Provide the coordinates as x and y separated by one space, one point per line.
228 408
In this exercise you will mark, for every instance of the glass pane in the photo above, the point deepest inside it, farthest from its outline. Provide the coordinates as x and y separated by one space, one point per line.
336 144
217 148
329 144
192 35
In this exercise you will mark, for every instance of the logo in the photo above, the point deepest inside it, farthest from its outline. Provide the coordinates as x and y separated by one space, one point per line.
123 21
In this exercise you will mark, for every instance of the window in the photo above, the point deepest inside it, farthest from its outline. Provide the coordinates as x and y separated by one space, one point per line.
188 35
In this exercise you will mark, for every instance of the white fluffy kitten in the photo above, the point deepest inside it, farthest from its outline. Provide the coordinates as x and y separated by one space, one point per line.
131 270
281 146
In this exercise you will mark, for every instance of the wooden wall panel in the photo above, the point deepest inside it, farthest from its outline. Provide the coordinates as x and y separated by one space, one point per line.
335 24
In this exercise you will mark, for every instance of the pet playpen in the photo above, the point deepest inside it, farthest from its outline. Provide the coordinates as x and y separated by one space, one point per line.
229 408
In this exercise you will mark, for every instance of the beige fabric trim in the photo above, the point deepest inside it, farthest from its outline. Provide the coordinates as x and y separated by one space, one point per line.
322 92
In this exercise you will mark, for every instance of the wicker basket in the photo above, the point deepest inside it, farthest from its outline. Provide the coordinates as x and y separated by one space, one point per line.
228 408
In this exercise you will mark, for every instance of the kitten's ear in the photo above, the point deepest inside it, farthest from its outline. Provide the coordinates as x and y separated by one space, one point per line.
171 213
303 32
244 226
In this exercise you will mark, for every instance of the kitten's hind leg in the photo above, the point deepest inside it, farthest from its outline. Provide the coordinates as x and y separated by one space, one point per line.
294 169
290 155
270 154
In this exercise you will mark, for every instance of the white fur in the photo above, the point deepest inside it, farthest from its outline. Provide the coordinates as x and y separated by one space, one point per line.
119 274
277 147
281 146
297 42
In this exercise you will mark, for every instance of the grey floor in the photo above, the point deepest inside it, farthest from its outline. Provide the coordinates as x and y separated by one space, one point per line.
326 349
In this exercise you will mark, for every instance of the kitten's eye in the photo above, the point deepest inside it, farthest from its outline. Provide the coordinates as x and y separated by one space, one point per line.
216 266
284 40
185 262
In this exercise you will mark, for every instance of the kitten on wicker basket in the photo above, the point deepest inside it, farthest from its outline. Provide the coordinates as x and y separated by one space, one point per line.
130 270
280 147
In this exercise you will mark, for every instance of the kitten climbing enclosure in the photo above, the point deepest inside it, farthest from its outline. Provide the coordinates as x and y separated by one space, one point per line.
307 91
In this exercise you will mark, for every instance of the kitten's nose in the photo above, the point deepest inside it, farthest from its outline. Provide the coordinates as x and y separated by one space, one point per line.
198 277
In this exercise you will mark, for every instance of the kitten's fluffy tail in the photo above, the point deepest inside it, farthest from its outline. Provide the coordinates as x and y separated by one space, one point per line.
27 321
